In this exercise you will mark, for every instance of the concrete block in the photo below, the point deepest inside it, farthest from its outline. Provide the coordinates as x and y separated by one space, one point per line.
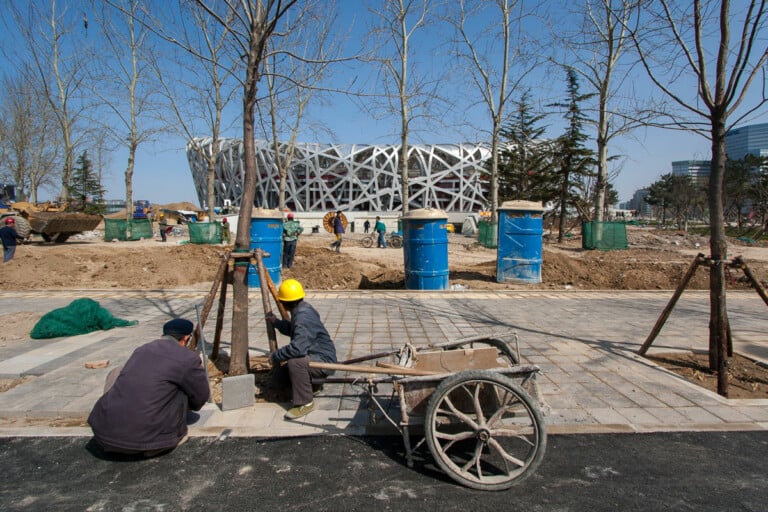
237 392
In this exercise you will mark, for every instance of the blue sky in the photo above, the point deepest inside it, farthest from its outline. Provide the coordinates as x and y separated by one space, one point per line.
162 174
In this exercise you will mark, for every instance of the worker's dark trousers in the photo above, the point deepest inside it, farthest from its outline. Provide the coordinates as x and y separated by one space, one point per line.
297 374
289 252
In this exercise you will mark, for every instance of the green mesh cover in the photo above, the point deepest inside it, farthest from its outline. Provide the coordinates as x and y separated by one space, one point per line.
79 317
141 229
205 232
114 229
604 236
486 233
117 229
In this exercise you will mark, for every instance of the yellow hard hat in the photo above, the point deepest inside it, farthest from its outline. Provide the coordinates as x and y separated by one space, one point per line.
162 214
290 290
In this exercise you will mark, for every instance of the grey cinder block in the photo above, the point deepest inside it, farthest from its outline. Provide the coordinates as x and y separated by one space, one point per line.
237 392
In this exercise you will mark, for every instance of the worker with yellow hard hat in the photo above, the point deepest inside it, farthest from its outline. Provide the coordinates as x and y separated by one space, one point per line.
310 341
163 225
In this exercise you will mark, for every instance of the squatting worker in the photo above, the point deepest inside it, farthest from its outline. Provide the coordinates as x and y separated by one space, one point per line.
310 341
10 238
145 403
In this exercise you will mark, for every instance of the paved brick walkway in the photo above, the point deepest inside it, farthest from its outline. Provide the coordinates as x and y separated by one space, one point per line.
584 342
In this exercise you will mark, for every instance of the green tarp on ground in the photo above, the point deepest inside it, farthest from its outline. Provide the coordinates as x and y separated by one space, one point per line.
81 316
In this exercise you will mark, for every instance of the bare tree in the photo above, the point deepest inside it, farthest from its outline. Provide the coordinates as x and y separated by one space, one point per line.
491 71
128 92
28 154
684 43
293 76
596 51
59 54
198 104
250 24
406 94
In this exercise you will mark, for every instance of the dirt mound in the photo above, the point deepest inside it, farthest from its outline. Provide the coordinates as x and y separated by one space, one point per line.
655 260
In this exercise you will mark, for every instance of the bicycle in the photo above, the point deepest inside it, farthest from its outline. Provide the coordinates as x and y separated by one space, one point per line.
393 240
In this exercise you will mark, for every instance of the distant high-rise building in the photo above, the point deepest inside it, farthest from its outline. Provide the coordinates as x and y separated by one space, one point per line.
698 170
751 139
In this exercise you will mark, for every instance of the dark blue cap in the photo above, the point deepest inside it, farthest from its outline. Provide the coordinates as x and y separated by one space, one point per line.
178 327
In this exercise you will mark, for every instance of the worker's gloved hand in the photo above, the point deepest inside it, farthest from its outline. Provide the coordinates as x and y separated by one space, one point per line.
271 318
274 362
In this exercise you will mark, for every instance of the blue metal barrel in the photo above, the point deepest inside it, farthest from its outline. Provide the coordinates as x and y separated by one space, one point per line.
267 235
518 256
425 249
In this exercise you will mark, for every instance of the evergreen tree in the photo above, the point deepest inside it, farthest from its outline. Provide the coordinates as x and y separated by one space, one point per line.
526 157
85 189
740 181
573 163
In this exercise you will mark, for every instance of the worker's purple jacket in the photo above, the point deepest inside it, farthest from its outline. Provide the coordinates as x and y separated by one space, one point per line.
308 336
146 408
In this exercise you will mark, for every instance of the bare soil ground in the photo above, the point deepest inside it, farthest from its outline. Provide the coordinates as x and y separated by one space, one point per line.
656 260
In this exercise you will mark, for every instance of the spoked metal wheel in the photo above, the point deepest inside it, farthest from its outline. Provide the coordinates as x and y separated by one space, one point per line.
484 430
396 242
367 242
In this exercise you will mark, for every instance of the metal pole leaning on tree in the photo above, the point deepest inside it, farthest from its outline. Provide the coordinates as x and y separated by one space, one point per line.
202 348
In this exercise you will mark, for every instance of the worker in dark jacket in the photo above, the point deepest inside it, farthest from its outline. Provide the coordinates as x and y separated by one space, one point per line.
310 341
144 407
338 231
10 239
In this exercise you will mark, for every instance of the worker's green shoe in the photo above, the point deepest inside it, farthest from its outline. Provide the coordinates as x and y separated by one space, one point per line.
299 411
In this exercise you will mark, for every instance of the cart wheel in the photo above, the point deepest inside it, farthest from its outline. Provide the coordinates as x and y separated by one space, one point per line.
396 242
367 242
484 431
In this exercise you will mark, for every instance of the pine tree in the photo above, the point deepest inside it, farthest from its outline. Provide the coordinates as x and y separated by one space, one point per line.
526 157
574 162
85 190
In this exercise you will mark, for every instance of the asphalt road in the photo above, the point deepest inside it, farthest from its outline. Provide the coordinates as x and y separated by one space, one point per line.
622 472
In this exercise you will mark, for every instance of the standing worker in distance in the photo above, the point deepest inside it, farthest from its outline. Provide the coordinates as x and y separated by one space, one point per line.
163 224
380 228
226 234
291 231
144 406
310 341
10 238
366 226
338 230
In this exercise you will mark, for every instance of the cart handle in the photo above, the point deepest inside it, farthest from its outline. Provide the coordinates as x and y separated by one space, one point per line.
390 369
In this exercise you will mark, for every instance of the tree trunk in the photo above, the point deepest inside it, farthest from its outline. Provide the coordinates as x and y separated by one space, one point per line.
718 356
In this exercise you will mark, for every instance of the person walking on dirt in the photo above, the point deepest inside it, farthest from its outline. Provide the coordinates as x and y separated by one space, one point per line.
10 239
366 226
163 224
291 231
338 230
381 229
144 406
226 234
310 341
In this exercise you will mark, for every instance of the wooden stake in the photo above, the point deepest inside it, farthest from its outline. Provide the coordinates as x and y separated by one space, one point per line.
209 299
271 335
698 260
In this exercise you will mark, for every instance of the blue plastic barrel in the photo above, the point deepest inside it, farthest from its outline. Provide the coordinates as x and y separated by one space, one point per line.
267 235
425 249
518 256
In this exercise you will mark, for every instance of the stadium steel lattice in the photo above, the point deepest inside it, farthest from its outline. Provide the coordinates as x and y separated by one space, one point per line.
350 177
